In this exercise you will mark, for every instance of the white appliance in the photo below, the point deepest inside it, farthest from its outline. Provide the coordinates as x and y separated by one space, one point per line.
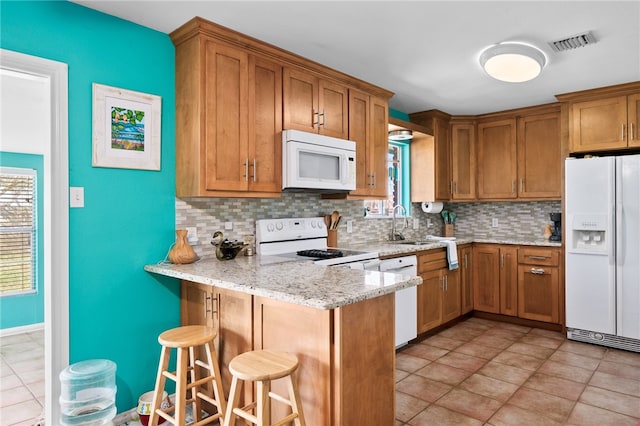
313 162
602 234
304 238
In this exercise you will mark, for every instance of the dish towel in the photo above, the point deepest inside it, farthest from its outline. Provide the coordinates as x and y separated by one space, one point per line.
452 254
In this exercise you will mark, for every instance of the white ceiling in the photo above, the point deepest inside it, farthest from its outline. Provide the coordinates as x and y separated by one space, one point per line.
426 51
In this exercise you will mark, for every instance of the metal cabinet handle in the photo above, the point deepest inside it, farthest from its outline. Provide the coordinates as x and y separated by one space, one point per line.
255 172
375 182
502 260
538 257
451 187
246 169
324 119
513 185
207 298
521 185
622 133
631 137
465 261
537 271
446 283
315 119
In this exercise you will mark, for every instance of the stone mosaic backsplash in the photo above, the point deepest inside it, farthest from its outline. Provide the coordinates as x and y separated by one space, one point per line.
515 219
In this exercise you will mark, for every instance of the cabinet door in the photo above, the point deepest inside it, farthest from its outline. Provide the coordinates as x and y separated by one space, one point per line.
196 305
509 281
599 125
232 319
265 130
538 293
486 278
430 301
378 146
333 108
633 118
300 101
463 158
466 283
226 110
441 139
539 156
359 132
451 295
306 333
497 159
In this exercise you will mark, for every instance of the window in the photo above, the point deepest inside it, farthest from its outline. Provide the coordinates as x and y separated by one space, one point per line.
18 259
398 181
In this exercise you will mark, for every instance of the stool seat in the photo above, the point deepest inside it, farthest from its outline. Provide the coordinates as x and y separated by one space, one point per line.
263 365
189 335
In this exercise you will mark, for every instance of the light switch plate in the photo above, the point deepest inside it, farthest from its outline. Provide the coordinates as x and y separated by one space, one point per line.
349 226
416 223
76 196
192 234
228 225
494 222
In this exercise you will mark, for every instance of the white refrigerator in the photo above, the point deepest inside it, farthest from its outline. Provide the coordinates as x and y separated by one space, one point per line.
602 250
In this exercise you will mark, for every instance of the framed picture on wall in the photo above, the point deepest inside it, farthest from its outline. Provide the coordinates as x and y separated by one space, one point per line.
126 128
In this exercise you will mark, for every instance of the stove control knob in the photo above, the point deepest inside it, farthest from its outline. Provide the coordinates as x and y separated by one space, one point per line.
320 224
313 224
270 227
279 226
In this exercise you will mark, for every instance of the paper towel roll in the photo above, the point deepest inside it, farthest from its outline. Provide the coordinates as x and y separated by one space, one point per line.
432 207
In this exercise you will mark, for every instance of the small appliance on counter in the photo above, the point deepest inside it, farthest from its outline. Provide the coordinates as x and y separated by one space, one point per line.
556 232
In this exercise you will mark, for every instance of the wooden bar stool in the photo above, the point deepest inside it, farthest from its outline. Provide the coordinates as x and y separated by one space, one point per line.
186 340
262 367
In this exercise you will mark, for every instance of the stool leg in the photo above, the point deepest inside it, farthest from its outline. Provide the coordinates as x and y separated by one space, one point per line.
234 397
294 397
196 406
181 386
263 410
214 369
160 380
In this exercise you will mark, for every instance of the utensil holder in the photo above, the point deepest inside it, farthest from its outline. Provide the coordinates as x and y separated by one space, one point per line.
448 229
332 238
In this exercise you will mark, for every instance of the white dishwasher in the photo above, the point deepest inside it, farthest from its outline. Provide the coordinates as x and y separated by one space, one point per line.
406 299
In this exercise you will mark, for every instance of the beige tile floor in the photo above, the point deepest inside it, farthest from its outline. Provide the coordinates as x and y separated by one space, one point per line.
21 378
476 372
481 372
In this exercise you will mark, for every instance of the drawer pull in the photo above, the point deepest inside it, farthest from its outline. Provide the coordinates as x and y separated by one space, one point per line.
537 271
207 298
538 257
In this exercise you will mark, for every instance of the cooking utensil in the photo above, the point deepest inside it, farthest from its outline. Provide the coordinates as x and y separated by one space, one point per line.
327 221
452 217
445 216
334 219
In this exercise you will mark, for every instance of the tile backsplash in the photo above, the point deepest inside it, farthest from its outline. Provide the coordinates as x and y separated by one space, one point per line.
521 219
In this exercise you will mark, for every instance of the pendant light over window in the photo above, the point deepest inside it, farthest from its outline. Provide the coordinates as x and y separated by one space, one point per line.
400 135
513 62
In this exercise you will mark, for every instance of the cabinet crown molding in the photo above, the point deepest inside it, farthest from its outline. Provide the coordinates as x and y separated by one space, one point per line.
601 92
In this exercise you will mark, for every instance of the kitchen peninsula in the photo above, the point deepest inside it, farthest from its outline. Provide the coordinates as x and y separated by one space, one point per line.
338 322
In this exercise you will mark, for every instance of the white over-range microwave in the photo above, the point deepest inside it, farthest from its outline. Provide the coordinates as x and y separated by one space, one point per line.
313 162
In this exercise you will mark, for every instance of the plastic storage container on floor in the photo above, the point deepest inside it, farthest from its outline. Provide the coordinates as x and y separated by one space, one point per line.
88 393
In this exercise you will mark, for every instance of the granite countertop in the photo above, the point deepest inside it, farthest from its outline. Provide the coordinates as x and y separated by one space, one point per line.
298 282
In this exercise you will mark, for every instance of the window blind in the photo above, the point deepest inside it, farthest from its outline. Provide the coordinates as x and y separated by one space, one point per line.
18 259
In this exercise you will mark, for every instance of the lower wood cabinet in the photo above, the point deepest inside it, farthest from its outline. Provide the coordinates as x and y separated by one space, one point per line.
495 279
439 293
539 284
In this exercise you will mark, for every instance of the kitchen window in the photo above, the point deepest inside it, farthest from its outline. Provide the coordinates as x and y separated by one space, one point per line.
398 178
18 218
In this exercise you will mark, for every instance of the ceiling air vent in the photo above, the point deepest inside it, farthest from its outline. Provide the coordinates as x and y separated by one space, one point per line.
573 42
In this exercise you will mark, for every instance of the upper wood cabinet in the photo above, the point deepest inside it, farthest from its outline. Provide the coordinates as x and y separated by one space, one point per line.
368 123
497 159
463 161
228 121
539 156
315 105
603 119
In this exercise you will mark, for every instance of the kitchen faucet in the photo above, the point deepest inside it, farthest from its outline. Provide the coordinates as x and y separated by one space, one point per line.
395 235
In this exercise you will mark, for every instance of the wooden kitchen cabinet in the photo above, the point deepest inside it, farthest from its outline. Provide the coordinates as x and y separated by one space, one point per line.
228 120
495 287
497 159
439 294
368 124
463 161
315 105
228 312
539 284
539 156
465 255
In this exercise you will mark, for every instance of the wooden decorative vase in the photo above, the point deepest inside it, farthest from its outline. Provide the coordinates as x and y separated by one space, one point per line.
182 252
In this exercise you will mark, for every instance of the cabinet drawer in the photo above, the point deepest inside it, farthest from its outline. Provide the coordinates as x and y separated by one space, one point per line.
432 260
538 256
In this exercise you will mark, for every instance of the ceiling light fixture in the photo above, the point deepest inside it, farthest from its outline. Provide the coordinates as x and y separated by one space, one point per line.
400 135
513 62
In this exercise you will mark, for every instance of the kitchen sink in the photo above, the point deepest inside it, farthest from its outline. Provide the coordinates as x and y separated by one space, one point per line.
413 243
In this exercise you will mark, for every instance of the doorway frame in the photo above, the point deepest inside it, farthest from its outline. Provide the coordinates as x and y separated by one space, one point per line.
56 222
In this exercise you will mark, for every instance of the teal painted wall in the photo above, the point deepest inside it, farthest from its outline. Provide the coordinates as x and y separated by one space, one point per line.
116 309
26 309
398 114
